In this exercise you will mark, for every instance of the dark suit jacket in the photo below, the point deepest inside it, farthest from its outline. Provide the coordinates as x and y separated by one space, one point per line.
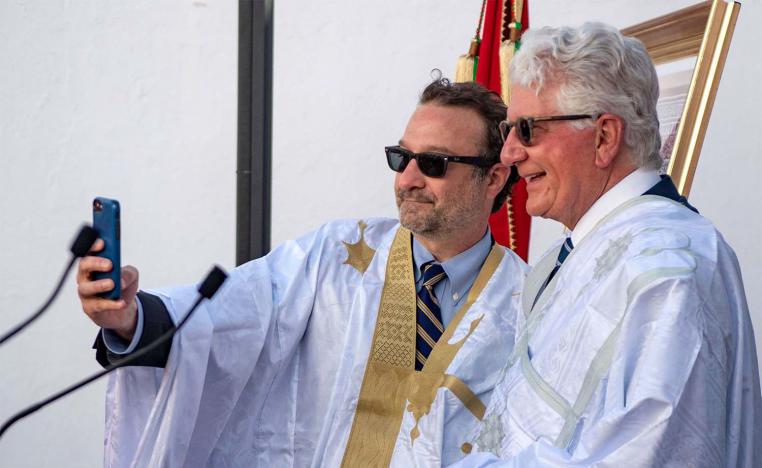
156 321
665 188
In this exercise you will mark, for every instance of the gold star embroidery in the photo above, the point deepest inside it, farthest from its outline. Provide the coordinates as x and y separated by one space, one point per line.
360 253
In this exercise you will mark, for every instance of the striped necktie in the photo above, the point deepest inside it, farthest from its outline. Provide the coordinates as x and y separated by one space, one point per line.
566 249
428 316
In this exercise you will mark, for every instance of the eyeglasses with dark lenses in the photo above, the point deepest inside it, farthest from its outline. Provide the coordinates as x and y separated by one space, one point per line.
525 126
430 164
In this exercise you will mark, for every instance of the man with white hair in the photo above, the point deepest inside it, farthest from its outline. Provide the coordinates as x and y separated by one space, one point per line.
634 345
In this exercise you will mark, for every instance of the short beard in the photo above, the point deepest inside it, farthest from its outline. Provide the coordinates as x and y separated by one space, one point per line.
423 221
441 218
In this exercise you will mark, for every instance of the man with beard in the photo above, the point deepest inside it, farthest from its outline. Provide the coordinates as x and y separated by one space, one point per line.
365 343
634 345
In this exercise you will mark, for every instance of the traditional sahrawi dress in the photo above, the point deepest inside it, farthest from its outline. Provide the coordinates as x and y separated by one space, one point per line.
306 358
639 353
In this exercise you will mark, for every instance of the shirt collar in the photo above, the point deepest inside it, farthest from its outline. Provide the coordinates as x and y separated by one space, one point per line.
634 185
461 268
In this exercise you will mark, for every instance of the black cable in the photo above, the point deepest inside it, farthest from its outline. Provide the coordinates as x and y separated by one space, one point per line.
81 245
206 290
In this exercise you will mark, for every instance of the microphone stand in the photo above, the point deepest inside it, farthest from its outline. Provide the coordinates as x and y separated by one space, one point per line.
81 245
206 290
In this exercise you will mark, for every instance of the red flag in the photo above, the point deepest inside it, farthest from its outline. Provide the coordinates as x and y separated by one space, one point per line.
511 224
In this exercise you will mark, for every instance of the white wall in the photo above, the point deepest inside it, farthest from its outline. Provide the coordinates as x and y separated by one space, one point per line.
137 100
347 77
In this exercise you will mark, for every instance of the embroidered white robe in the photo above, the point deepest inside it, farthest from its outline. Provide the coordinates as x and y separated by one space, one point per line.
640 353
270 371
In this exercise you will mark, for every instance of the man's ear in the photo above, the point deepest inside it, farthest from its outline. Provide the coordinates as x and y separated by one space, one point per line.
498 176
609 139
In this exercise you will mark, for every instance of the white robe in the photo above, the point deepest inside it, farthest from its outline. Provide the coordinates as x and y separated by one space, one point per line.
640 353
268 373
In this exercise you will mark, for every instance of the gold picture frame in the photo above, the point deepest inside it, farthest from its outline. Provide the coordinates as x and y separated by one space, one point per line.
703 30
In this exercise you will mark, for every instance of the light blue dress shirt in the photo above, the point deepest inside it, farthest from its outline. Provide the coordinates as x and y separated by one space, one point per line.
461 271
116 344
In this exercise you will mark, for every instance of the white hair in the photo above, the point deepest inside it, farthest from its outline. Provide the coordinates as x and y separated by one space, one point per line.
598 70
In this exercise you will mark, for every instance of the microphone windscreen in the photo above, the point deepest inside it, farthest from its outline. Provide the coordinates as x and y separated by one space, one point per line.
212 282
85 239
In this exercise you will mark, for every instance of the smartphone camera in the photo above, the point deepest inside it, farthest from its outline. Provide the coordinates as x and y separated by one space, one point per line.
97 205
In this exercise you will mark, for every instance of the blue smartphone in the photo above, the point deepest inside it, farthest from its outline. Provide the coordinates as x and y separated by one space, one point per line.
106 214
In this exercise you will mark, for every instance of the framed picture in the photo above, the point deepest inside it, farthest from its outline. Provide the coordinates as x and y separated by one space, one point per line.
689 47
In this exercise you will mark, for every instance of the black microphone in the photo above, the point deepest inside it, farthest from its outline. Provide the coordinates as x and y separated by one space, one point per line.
81 245
206 289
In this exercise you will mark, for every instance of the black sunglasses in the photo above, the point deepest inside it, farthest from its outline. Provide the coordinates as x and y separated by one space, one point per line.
430 164
525 126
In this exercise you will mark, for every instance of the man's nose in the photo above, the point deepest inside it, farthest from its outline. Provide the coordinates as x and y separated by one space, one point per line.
513 151
411 177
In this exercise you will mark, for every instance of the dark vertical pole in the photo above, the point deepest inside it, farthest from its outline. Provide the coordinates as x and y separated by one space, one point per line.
255 41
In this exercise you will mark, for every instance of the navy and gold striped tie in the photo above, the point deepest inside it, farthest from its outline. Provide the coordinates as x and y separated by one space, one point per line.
428 315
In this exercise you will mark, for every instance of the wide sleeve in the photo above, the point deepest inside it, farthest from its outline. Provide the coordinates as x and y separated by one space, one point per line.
167 417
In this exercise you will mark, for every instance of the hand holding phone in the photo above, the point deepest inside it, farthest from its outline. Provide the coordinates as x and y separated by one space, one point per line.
100 297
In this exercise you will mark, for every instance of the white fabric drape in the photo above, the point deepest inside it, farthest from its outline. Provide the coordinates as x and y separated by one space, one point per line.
269 372
639 353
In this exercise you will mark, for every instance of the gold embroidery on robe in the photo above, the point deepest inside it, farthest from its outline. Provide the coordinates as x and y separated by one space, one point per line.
390 377
359 254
